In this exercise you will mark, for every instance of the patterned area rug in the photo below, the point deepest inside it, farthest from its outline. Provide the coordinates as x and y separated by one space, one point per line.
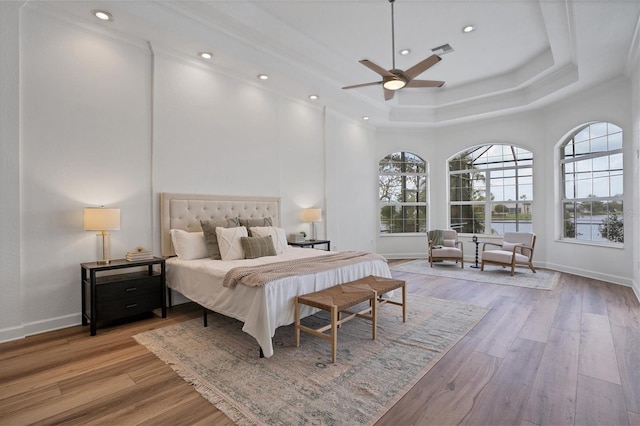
300 385
523 277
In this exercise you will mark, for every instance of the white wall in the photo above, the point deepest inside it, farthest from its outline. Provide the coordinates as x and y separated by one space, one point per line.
108 120
10 246
538 131
633 214
85 120
352 185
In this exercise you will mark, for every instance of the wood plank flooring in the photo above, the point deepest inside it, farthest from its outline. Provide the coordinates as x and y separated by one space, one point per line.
562 357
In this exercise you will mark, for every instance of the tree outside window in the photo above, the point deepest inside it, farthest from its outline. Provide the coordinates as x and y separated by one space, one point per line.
592 184
403 193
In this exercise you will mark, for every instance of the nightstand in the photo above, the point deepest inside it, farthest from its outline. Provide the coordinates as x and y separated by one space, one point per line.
312 243
123 293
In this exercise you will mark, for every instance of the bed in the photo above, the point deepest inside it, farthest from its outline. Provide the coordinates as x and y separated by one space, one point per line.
263 308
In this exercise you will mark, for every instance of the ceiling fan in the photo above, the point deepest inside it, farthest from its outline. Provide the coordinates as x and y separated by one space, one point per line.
395 79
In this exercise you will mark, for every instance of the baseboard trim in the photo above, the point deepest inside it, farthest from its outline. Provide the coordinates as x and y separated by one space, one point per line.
41 326
615 279
11 333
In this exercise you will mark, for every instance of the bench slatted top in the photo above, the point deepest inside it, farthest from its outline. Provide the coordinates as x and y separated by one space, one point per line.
340 296
380 285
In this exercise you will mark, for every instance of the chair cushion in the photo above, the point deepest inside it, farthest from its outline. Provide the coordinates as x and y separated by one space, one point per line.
449 234
525 238
446 252
503 256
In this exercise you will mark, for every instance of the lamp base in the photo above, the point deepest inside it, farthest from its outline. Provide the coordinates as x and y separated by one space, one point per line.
106 248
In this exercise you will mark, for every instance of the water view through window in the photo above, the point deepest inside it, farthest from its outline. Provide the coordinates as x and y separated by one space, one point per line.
592 184
491 190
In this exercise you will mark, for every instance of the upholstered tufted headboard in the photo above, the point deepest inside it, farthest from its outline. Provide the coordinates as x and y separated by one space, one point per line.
184 211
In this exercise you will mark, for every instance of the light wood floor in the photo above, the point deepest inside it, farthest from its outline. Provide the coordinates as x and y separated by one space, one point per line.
561 357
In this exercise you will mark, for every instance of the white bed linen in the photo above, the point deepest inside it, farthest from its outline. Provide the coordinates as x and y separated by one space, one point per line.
262 309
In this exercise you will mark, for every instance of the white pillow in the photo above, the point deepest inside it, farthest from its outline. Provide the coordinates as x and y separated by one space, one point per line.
278 235
230 243
449 243
509 247
188 245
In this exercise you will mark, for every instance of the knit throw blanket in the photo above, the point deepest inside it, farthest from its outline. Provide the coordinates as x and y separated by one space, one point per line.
255 276
436 237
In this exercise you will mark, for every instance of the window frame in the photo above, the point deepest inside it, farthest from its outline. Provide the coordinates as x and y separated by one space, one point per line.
565 200
523 207
411 204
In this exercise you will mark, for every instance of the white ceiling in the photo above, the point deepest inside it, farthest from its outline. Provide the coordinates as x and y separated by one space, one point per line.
523 53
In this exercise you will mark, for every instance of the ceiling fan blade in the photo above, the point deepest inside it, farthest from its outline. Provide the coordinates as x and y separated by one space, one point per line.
421 67
425 83
376 68
373 83
388 94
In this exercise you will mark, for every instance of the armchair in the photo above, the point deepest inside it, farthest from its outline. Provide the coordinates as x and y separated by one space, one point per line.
516 249
444 245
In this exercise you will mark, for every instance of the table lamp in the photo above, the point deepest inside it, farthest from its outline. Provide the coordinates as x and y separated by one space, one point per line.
103 220
313 216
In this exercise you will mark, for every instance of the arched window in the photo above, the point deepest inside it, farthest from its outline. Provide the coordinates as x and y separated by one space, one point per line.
491 190
591 170
403 193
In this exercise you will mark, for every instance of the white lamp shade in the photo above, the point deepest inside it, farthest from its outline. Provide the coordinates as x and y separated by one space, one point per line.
312 215
101 219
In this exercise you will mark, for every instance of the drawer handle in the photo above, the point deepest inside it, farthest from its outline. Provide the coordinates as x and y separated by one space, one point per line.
133 305
131 289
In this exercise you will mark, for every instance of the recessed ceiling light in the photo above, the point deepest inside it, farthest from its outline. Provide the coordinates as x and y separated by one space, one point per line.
263 77
102 15
405 52
366 117
468 29
205 55
313 97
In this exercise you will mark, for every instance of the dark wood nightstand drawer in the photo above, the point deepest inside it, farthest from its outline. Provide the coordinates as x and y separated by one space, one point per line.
140 287
128 305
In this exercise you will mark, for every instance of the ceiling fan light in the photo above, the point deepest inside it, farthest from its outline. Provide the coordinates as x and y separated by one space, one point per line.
394 84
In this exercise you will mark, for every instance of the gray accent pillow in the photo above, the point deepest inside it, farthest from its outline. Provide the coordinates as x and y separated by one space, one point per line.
255 247
248 223
210 237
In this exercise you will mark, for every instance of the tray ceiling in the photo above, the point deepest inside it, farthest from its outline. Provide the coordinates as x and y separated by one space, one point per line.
521 55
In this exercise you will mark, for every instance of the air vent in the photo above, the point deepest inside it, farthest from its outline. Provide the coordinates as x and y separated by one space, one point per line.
442 50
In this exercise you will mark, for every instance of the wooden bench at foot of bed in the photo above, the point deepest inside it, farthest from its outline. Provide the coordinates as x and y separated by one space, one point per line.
336 300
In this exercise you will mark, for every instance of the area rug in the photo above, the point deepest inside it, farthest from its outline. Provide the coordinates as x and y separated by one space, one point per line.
300 385
523 277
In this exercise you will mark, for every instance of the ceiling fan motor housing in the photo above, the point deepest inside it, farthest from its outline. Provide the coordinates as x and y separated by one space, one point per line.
395 82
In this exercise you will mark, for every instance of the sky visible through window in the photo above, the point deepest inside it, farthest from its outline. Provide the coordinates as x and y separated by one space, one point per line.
592 172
